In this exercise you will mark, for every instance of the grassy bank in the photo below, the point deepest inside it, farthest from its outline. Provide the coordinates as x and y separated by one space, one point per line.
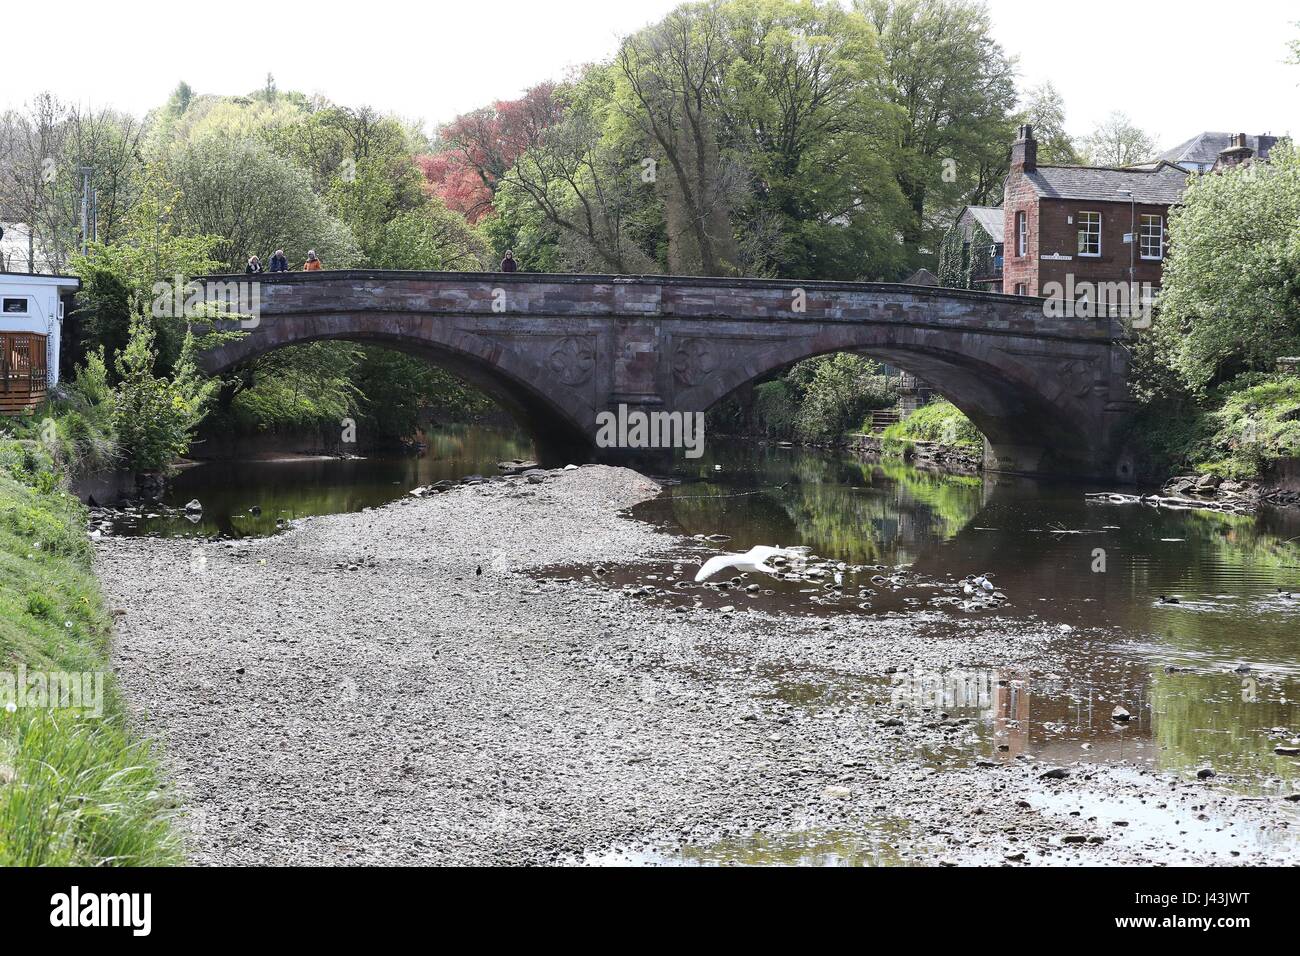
75 788
940 422
1238 430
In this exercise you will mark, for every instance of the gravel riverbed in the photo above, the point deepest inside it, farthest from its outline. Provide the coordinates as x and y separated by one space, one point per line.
397 687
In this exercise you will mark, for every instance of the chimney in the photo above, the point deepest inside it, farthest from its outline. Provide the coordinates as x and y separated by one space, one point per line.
1236 153
1024 152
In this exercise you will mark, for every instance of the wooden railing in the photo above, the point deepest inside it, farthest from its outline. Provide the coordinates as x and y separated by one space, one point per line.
22 371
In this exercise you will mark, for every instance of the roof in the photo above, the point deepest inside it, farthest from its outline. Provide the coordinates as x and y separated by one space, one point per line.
1161 185
10 280
1206 147
990 219
922 277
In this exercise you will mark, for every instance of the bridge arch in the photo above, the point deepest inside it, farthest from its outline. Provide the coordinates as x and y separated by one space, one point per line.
1031 427
551 419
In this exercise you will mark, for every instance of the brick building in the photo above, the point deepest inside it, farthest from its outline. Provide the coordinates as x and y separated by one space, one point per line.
1065 227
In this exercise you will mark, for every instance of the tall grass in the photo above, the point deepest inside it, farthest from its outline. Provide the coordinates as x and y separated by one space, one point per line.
74 789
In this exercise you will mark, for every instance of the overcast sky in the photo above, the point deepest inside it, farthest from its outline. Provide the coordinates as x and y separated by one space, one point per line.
1176 67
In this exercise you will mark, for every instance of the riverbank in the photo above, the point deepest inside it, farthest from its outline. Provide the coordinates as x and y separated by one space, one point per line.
356 691
77 788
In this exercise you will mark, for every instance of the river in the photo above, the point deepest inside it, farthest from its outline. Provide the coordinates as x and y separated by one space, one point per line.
1210 681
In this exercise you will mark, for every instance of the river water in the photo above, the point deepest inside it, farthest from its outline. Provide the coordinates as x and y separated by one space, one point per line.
1211 681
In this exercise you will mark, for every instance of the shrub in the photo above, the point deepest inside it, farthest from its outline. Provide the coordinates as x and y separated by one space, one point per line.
155 418
939 421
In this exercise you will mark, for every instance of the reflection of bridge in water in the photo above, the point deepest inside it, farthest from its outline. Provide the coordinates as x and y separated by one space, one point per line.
1049 393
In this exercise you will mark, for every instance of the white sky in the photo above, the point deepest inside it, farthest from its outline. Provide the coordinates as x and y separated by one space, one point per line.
1177 67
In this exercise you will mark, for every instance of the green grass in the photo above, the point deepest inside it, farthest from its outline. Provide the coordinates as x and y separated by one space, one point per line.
1257 423
75 789
1237 430
940 421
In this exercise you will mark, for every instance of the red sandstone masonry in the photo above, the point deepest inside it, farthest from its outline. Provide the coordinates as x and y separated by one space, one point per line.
1048 391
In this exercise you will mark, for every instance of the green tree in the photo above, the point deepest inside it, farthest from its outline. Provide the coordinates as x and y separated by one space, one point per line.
429 238
120 279
955 86
1045 111
667 78
588 185
254 199
838 391
1231 296
801 105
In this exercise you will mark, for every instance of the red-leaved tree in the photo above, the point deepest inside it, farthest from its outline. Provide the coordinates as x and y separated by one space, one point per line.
476 149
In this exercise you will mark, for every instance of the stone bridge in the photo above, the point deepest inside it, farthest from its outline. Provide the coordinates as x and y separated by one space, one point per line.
1050 394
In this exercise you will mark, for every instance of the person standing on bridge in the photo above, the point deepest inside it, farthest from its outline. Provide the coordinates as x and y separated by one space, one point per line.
279 262
313 262
254 266
508 264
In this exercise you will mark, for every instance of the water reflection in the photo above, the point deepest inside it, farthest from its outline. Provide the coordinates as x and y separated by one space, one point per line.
254 498
1051 551
1209 682
877 845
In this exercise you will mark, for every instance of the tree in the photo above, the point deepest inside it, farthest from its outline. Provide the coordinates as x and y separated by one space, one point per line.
1117 142
255 200
838 391
955 87
31 149
155 417
429 238
667 76
476 149
1045 111
585 184
118 278
802 108
1231 296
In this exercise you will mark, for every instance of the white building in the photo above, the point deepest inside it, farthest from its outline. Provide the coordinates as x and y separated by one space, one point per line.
31 330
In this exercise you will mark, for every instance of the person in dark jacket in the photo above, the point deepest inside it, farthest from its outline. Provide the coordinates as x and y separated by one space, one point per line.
279 262
508 264
254 266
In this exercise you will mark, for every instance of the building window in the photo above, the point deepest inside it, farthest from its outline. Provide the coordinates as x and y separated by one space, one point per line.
1089 233
1022 234
1153 237
14 306
1020 288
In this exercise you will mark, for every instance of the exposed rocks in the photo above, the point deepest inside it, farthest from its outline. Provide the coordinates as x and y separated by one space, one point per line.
396 707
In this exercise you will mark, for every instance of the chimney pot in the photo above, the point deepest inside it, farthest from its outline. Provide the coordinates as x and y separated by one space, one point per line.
1024 152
